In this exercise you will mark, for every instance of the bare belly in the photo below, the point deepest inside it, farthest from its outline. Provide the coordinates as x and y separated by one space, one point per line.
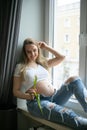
45 88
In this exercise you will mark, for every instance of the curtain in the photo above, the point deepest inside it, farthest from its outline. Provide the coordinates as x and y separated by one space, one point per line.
10 14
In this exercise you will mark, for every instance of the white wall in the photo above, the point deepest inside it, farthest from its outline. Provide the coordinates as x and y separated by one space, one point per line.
32 21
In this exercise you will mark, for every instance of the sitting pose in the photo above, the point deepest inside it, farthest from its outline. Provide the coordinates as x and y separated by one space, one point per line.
52 101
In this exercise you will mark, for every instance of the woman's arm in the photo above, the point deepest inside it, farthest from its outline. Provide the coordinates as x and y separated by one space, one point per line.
58 57
16 89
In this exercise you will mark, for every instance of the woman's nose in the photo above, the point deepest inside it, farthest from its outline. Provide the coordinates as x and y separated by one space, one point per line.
32 53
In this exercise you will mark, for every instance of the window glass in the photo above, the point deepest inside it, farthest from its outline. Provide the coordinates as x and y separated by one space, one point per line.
66 35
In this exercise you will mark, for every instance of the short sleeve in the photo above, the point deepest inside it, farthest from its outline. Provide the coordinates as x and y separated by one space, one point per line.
17 71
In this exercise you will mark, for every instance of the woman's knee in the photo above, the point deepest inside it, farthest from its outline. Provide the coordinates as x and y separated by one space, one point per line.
71 79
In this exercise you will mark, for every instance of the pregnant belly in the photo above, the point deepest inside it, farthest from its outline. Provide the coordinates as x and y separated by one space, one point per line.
45 88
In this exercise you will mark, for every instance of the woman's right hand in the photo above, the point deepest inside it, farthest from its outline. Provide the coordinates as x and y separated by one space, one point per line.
31 93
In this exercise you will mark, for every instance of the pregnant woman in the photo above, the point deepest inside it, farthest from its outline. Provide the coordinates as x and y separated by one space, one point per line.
52 101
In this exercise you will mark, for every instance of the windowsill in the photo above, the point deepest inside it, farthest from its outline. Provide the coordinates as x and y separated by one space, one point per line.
75 105
73 100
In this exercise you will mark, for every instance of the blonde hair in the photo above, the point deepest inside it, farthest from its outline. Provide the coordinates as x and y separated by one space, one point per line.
40 59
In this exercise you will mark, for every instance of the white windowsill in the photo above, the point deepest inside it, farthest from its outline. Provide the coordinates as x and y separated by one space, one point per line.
75 106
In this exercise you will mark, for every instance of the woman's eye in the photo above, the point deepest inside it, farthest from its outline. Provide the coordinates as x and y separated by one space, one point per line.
28 52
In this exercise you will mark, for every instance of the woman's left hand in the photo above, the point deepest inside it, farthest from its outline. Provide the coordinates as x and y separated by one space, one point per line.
42 45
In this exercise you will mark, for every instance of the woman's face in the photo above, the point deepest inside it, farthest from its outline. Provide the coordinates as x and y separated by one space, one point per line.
31 52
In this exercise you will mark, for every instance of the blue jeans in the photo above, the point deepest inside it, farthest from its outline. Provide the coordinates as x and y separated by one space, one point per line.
53 106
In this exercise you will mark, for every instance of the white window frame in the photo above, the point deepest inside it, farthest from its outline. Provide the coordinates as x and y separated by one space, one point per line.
49 30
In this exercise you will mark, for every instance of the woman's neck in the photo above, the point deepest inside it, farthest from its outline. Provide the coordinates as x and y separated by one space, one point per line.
32 64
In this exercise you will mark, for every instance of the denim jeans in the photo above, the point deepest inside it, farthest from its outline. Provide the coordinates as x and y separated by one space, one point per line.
53 106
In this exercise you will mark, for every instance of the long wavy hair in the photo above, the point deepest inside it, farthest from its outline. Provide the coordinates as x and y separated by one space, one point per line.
40 59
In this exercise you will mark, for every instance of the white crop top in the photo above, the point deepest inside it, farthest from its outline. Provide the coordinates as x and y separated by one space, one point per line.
29 75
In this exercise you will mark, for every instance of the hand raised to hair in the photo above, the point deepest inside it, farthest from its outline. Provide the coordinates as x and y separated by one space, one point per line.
42 45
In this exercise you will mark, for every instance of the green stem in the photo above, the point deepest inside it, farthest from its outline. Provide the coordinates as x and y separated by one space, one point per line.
37 95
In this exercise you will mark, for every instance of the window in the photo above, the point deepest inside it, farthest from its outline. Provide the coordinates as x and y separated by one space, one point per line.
61 13
66 13
76 51
67 22
78 19
67 38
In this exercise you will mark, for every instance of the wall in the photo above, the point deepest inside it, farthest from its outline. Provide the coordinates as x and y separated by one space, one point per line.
31 25
32 21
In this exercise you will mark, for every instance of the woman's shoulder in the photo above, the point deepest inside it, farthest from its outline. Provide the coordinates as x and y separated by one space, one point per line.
18 69
19 65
